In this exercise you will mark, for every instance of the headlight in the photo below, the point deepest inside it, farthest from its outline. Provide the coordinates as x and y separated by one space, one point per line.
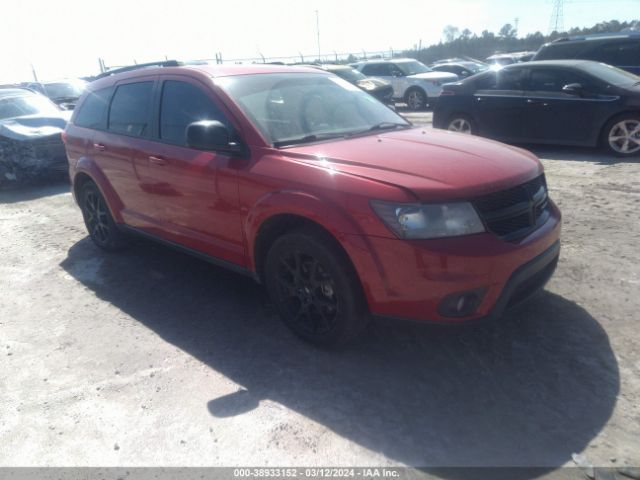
418 221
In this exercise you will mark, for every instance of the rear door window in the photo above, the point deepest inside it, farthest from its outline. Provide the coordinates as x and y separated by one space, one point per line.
93 111
131 108
183 103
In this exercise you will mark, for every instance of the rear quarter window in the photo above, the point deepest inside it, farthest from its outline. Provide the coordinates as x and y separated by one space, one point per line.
625 53
92 113
560 51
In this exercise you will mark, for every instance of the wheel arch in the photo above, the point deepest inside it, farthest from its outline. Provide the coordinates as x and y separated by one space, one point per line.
282 212
412 88
600 140
461 114
87 171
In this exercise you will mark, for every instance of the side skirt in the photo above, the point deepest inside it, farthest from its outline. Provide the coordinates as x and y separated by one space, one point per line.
218 262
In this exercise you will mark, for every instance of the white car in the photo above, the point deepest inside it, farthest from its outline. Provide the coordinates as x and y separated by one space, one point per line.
413 82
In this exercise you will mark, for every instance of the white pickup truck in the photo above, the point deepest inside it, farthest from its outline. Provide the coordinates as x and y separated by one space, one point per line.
413 82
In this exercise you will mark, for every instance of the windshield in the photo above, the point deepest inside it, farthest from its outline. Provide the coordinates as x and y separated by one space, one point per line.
65 89
412 68
26 105
349 74
300 107
612 75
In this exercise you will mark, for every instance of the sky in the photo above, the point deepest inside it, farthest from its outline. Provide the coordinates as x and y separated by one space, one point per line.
64 38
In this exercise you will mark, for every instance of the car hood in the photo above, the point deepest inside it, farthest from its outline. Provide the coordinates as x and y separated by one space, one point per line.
33 126
430 164
373 83
442 77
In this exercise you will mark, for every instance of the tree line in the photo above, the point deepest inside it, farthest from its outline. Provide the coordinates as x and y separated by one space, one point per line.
459 43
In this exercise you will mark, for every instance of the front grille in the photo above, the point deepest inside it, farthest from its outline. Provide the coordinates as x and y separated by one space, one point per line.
511 214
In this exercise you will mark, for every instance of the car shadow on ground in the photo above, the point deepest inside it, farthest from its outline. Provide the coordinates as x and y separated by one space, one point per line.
23 193
578 154
527 391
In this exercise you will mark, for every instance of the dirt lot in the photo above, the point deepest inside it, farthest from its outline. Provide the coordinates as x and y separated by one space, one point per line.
150 357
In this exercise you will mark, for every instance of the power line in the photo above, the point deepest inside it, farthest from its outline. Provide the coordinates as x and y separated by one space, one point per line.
556 22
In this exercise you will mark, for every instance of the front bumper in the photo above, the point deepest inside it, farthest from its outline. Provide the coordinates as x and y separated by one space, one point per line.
410 279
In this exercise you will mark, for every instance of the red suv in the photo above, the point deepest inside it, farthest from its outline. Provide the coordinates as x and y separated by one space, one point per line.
304 182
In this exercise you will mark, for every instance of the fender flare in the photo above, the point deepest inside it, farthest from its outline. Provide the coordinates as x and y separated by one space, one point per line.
321 211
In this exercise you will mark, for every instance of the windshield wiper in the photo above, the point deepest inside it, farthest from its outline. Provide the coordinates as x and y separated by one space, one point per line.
387 126
327 136
307 139
380 126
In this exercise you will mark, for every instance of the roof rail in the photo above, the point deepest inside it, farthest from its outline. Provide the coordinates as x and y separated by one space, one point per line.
138 66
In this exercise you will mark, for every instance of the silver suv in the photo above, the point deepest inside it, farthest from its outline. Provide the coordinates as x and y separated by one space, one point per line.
413 82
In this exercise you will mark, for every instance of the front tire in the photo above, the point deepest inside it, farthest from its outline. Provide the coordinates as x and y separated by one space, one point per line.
100 224
621 135
416 99
314 288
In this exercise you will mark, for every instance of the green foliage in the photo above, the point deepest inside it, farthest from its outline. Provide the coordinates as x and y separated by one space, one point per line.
466 43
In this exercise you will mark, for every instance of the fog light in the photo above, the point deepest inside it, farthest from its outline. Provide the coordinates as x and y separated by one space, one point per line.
461 304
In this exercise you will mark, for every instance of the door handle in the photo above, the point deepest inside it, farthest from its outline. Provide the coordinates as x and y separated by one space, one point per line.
99 147
157 160
531 101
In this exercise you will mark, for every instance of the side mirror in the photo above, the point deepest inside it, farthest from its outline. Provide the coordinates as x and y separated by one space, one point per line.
573 89
210 135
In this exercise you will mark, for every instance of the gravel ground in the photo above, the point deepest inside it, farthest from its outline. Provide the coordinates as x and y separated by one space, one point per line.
150 357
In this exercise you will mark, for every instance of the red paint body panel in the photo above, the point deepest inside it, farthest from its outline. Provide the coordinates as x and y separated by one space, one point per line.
216 204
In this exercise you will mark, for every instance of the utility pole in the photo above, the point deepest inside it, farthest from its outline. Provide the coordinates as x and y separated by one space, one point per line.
556 22
318 32
33 70
516 21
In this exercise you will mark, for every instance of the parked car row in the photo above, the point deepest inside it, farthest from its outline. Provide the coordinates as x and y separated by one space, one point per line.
413 82
64 93
300 178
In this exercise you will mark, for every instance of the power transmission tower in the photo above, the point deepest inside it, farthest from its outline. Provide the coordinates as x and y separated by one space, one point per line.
556 23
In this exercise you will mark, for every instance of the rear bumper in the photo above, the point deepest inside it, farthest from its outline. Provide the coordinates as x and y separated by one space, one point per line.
411 279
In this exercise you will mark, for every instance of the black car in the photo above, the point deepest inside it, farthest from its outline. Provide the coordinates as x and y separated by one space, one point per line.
462 69
570 102
621 50
31 146
377 87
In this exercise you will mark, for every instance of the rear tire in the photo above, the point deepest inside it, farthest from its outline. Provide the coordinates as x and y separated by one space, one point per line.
621 135
315 288
461 123
100 224
416 99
